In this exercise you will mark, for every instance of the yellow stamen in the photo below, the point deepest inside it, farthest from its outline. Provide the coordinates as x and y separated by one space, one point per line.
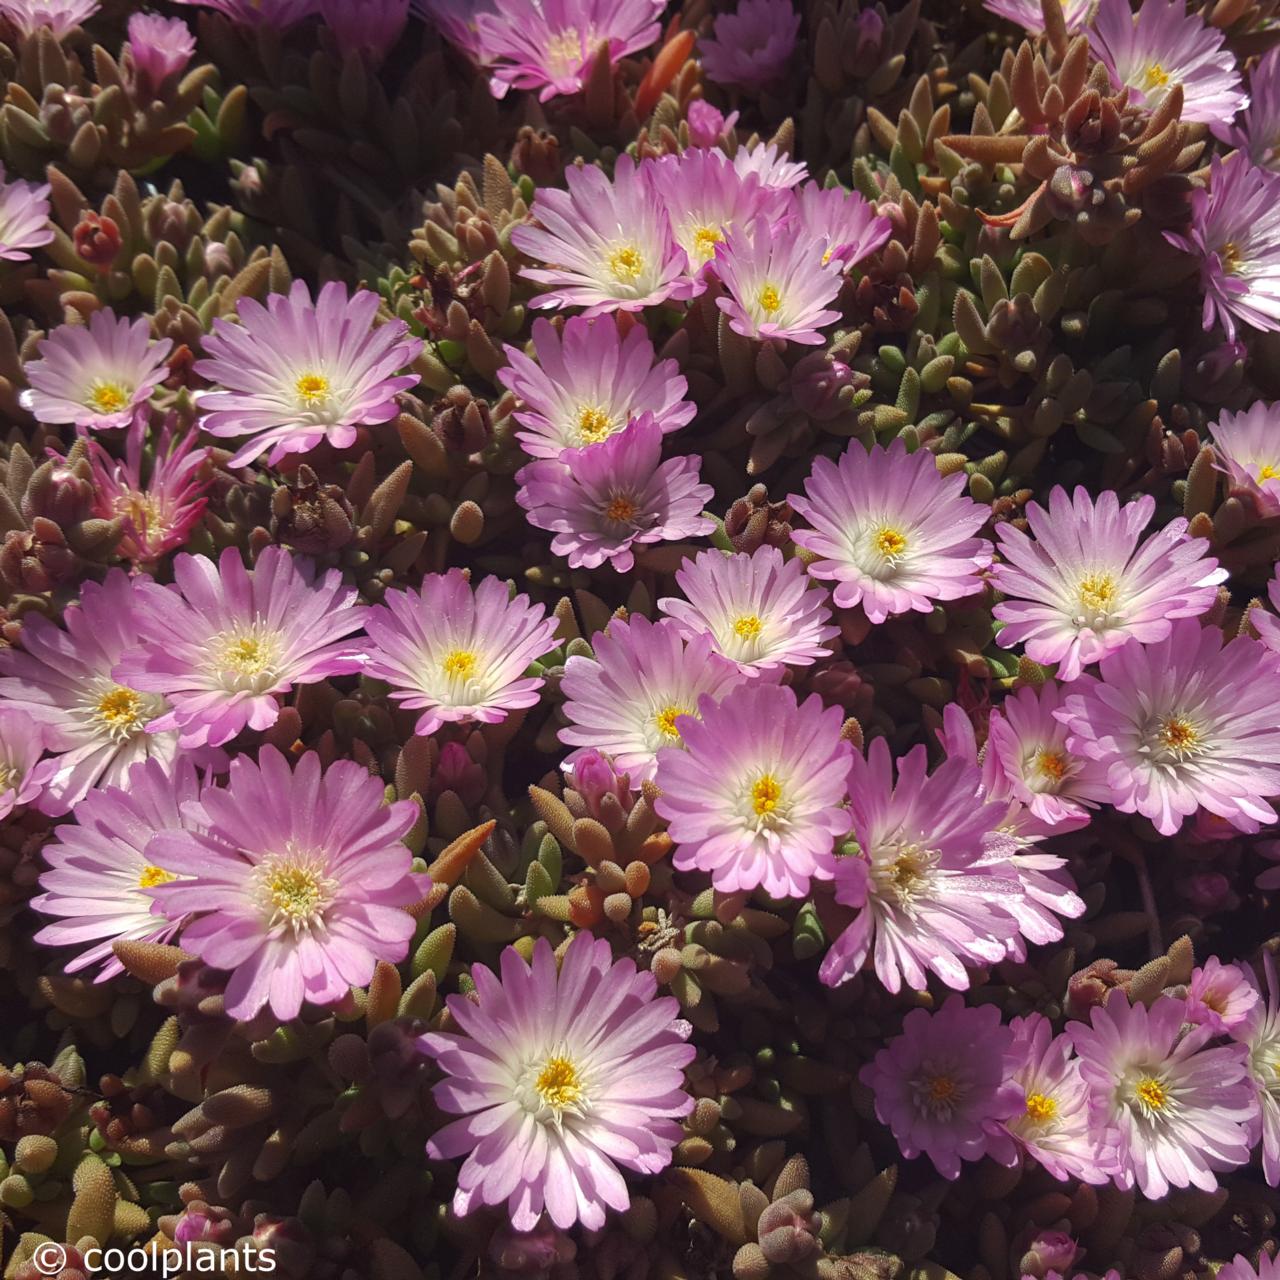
297 892
594 424
152 876
1053 764
626 264
765 795
559 1084
890 542
621 509
1268 472
748 627
705 239
1229 257
770 299
564 51
1178 734
108 397
1097 591
666 720
1156 77
1152 1093
459 664
246 655
120 708
1040 1107
312 389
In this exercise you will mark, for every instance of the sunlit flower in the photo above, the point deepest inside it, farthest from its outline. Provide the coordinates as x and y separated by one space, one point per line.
1220 996
1240 1268
296 372
297 884
60 16
95 375
770 164
588 383
559 1078
756 798
24 218
458 654
159 48
891 531
1260 1034
846 225
22 774
1028 14
1247 445
751 47
1256 131
1267 625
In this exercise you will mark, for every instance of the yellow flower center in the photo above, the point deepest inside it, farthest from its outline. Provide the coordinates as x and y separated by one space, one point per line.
312 389
294 890
666 721
621 509
1040 1107
890 542
564 51
246 655
1268 472
1155 77
1229 257
108 397
1178 734
1097 591
558 1084
120 709
152 876
770 299
748 627
9 777
765 795
941 1089
1053 764
594 424
705 239
1150 1092
626 264
459 664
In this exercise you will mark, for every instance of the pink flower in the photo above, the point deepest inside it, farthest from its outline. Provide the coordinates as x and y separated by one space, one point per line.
1260 1034
777 286
589 383
297 886
770 164
627 701
61 16
1240 1268
24 218
1085 587
1220 996
559 1078
752 46
1258 132
1180 1110
95 375
890 531
456 654
1028 14
761 610
756 798
22 776
550 46
160 49
295 372
160 512
1248 448
223 642
943 1086
846 225
1266 624
1162 46
276 14
707 124
609 244
1183 724
373 26
101 880
605 501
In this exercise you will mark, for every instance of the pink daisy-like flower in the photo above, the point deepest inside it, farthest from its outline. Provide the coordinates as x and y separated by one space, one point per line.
890 531
159 49
1257 133
756 798
1085 587
1235 233
550 46
1240 1268
708 125
559 1078
609 245
295 372
589 382
759 608
24 218
1220 996
1183 724
1248 449
1180 1110
223 641
1162 46
778 287
276 14
61 677
297 885
1028 14
844 224
22 775
101 879
161 511
95 376
373 26
751 46
1027 747
1266 624
773 166
627 700
60 16
927 896
1052 1126
605 501
1260 1034
943 1086
456 654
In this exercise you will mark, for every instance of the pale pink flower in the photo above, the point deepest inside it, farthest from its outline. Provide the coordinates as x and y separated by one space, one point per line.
1248 449
1028 14
773 166
1220 996
24 218
1267 625
159 49
22 774
846 225
1260 1034
61 16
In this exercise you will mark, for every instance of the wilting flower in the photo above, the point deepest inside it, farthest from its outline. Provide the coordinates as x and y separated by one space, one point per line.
1240 1268
551 46
160 48
297 885
1260 1034
943 1086
1235 232
95 376
589 382
224 641
161 511
1183 724
760 609
626 701
1266 624
927 897
1085 587
1028 14
295 372
1027 750
750 48
371 25
1248 448
845 225
1220 996
708 124
1162 46
277 14
1180 1110
756 798
456 654
60 16
605 501
778 286
95 726
24 218
559 1078
1258 132
892 532
22 776
101 877
610 242
770 164
1052 1126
